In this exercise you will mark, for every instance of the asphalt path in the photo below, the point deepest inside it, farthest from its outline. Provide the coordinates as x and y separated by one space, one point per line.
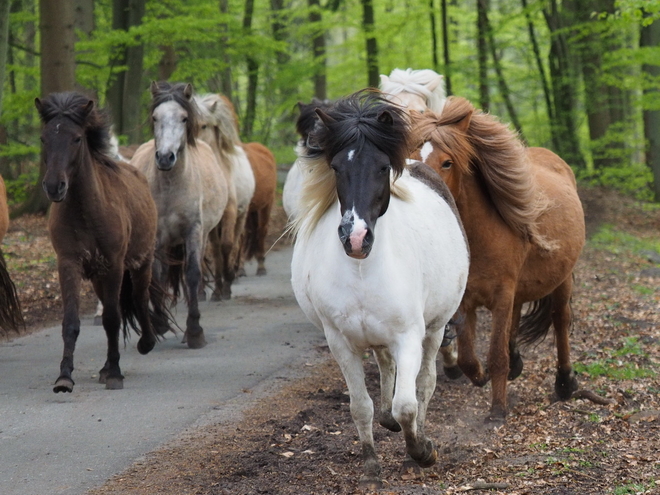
68 443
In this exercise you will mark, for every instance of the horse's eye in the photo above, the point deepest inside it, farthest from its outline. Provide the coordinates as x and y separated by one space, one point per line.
447 164
184 120
203 126
153 118
385 169
77 140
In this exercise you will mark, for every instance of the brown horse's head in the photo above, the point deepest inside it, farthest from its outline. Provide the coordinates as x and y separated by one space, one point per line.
72 130
442 141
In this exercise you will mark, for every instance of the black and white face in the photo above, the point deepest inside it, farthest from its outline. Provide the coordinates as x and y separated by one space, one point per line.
363 188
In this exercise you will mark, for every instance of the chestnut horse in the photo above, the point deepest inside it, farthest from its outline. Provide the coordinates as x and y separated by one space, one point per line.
11 315
264 168
525 227
102 225
190 191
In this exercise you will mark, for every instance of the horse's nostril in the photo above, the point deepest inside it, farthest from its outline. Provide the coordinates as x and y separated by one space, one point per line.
157 155
62 186
344 232
172 157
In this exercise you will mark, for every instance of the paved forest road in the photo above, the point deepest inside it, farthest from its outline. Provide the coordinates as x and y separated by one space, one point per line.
68 443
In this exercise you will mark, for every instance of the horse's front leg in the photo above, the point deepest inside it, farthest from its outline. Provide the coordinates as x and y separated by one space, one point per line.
498 357
70 278
565 383
387 369
362 407
110 374
141 280
225 273
415 382
194 336
467 358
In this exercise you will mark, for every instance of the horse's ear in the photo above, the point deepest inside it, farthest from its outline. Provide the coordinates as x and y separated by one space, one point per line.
39 105
385 117
88 107
154 88
325 118
384 79
434 83
188 91
463 124
213 107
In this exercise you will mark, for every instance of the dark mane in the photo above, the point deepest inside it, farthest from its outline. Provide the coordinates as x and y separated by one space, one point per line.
308 118
357 119
165 91
95 123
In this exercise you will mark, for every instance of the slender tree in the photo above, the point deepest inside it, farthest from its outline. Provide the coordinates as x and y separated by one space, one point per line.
253 76
445 46
4 44
482 53
320 77
369 26
225 73
650 38
434 35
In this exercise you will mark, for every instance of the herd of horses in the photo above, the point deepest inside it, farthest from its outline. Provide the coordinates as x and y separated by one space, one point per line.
466 217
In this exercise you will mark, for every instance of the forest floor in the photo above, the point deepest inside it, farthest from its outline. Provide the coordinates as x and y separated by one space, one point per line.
303 441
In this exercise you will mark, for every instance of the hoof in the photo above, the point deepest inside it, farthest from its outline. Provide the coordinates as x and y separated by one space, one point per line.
98 321
515 366
565 384
429 457
194 341
201 297
63 385
261 272
241 272
114 383
386 420
145 346
480 381
370 483
453 372
497 417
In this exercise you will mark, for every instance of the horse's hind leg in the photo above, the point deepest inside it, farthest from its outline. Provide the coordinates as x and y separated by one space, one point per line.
262 232
566 382
362 408
515 360
194 332
387 369
110 374
141 280
467 357
70 277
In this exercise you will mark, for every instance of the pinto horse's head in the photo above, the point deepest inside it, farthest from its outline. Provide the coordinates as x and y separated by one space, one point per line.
72 131
364 140
174 121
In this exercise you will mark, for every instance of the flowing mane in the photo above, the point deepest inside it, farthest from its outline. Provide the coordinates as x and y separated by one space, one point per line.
219 110
417 82
164 91
95 122
355 120
495 152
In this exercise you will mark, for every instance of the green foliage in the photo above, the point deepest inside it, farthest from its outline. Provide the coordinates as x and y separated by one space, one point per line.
616 241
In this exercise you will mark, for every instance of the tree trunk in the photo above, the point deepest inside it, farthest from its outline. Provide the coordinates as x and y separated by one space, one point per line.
225 85
445 46
563 83
482 53
650 37
167 62
542 75
368 24
434 35
318 50
253 77
4 44
115 92
84 16
58 73
133 87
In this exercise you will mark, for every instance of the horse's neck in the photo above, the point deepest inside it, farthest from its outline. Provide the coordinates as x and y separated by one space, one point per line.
86 186
475 206
225 161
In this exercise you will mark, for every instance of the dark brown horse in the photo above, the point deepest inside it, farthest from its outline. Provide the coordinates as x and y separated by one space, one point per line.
102 226
525 227
11 316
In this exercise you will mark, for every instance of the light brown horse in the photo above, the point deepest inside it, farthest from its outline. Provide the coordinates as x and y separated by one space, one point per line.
525 227
11 316
264 167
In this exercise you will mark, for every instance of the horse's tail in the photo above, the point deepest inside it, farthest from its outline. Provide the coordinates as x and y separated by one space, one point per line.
175 270
128 307
11 315
251 240
534 324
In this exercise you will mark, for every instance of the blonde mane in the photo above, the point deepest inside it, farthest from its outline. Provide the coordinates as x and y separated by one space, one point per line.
219 111
416 82
493 150
319 192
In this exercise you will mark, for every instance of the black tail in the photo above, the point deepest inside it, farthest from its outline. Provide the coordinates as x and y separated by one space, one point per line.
175 261
161 320
11 315
534 325
251 236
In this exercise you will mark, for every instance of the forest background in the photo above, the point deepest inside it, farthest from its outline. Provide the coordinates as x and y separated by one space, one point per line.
581 77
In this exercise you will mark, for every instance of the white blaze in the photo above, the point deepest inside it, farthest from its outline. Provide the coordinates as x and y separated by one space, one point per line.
426 151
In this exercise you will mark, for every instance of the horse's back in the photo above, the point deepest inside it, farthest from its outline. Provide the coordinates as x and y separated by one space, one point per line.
264 168
4 210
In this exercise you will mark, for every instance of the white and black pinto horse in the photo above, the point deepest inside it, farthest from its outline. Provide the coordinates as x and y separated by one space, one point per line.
391 289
